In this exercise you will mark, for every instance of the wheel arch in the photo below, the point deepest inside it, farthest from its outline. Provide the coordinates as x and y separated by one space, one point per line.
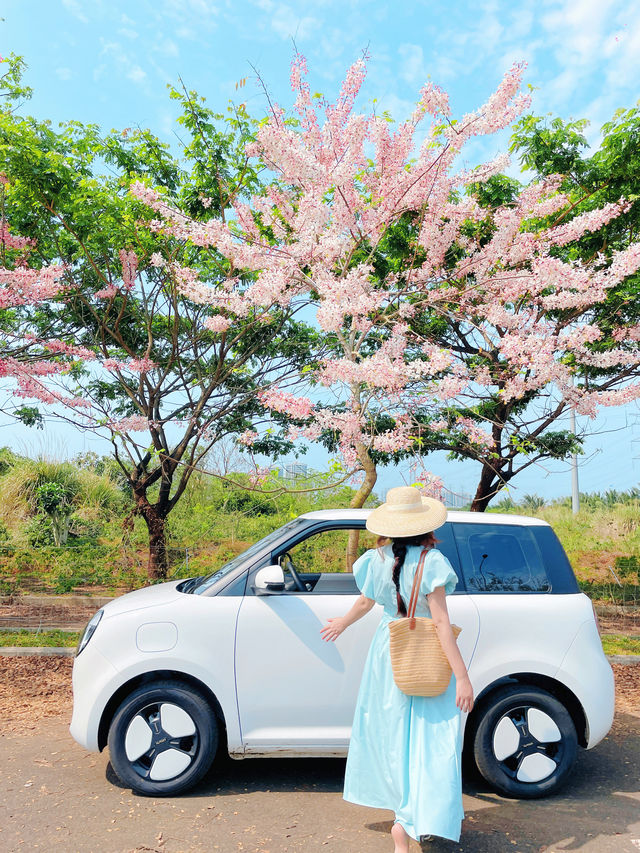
148 678
533 679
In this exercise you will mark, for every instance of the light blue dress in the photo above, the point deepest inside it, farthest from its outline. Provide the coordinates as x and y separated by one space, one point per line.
404 753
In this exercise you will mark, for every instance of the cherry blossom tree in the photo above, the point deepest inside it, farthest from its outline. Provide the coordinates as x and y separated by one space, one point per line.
530 341
481 303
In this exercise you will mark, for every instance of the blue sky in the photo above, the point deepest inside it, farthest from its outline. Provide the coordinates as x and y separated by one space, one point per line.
108 61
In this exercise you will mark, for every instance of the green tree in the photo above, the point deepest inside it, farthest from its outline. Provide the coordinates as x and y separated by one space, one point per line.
145 369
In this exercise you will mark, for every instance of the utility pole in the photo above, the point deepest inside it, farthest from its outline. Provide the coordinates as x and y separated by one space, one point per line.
575 491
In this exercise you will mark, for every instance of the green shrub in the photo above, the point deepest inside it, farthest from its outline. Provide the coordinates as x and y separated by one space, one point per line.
39 531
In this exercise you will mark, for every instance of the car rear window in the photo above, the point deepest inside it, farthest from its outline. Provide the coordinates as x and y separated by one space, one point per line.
500 558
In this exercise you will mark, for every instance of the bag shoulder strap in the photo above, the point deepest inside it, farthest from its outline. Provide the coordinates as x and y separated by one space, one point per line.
415 589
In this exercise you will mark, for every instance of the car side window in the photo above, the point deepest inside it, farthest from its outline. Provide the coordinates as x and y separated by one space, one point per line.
500 558
327 551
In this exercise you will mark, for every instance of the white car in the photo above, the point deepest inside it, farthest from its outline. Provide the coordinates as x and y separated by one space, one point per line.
166 674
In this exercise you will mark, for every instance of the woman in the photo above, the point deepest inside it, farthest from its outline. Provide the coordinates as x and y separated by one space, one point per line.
404 753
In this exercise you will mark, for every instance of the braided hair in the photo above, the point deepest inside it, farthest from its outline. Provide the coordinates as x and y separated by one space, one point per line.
399 547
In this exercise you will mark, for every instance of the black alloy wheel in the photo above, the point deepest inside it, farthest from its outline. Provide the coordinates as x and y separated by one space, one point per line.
524 742
163 738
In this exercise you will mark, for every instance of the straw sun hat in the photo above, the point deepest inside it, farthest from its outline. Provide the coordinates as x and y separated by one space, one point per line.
406 513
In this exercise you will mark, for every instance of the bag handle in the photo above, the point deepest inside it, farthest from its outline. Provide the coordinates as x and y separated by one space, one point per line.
415 590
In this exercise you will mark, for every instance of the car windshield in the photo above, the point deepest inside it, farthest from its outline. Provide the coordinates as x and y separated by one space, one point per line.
206 582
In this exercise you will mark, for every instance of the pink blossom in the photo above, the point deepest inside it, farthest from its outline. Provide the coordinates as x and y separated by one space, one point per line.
259 476
129 262
106 292
69 349
281 401
217 323
141 365
134 423
430 485
248 437
24 286
10 241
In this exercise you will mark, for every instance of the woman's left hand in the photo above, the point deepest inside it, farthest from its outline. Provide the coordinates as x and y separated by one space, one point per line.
333 628
464 694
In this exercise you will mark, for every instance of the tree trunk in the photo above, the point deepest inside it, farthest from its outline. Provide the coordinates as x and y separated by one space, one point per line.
490 483
358 500
158 566
155 519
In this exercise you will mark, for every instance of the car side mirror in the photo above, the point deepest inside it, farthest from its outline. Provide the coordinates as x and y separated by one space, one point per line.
269 580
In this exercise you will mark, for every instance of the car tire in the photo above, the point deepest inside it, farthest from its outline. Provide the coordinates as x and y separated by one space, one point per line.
524 742
163 738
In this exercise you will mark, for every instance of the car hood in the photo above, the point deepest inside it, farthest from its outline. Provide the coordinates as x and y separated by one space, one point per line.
150 596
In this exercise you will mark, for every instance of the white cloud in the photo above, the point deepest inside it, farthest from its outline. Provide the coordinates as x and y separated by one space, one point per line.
191 13
445 68
522 20
120 60
167 47
127 32
412 63
136 74
286 22
75 8
64 73
333 44
578 30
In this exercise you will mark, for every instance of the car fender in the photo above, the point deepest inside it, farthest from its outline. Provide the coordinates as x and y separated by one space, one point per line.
156 668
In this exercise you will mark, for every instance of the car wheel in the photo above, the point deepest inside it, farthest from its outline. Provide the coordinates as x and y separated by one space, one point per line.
525 742
163 738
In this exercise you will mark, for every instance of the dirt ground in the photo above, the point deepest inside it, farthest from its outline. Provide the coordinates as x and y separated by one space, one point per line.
56 796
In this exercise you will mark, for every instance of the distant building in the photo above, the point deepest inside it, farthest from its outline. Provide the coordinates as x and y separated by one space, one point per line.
293 471
455 500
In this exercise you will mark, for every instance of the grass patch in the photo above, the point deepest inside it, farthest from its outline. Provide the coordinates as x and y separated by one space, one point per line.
39 638
617 644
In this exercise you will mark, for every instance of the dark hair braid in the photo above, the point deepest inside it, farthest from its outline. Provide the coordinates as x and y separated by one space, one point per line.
399 547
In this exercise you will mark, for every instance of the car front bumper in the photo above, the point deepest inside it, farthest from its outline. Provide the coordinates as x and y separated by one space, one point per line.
92 680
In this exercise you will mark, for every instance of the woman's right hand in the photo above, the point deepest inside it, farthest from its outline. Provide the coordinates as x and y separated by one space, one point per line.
464 694
333 628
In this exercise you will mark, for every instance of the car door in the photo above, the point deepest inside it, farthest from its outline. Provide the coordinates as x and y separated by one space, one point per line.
296 692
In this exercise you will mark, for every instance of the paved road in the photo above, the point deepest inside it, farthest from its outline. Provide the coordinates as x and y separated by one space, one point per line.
57 797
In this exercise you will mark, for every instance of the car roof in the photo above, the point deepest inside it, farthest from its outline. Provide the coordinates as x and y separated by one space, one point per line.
453 515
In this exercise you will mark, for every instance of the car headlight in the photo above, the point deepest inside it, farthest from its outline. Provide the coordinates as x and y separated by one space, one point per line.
89 631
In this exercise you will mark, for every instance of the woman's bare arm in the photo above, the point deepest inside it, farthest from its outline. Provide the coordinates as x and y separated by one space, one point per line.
440 615
336 626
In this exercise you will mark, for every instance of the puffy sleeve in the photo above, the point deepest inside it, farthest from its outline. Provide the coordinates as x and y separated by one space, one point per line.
438 571
364 574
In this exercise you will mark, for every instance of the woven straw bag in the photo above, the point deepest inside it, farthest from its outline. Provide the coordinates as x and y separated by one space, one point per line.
420 667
